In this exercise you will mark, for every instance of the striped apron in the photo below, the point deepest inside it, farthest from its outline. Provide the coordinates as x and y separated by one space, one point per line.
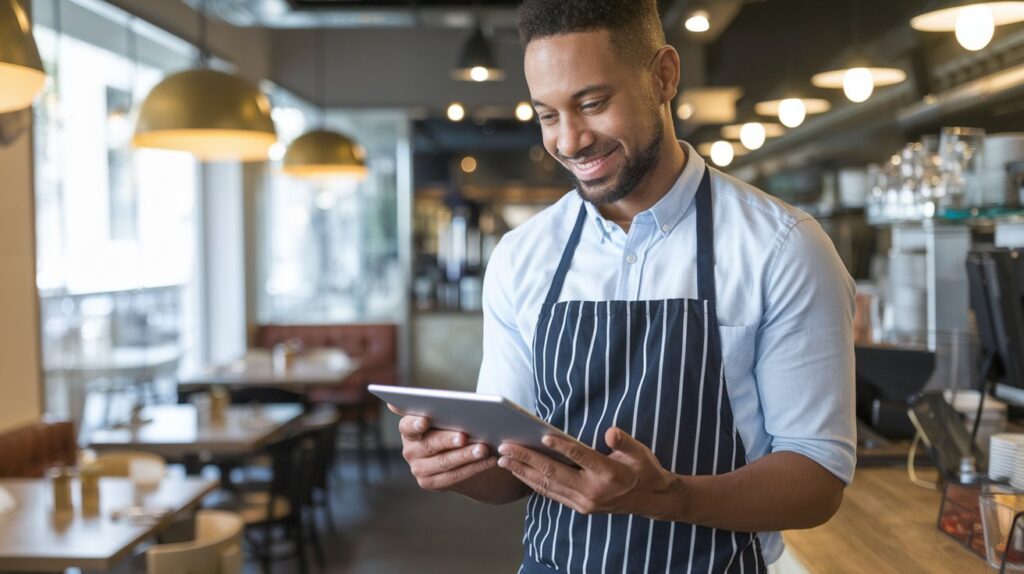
653 369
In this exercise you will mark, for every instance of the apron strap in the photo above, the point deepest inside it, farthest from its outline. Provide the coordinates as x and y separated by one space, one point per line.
563 266
705 240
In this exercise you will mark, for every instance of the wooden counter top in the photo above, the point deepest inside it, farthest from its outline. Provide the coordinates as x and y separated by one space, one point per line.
885 525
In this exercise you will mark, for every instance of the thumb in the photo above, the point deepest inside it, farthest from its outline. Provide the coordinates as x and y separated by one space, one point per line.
619 440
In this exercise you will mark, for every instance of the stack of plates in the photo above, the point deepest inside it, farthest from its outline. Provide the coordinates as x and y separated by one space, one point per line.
1006 458
1000 151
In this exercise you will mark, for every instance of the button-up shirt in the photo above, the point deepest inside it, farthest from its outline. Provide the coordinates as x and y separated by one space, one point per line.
784 302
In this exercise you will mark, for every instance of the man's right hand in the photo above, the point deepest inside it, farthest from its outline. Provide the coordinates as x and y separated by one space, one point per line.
440 459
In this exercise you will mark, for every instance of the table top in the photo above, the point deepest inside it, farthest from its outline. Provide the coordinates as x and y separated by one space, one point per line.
886 524
316 367
117 360
35 539
175 430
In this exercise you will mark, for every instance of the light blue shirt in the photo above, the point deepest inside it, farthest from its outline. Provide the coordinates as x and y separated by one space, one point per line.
784 300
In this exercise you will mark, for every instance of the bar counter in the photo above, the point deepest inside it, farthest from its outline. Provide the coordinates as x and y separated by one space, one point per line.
886 524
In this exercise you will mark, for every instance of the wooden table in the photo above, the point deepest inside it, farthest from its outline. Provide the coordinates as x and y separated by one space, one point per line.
886 524
315 368
35 539
175 431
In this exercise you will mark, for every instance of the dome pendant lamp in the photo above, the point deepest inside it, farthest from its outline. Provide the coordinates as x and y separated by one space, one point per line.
323 154
792 108
477 63
213 115
972 21
858 78
21 70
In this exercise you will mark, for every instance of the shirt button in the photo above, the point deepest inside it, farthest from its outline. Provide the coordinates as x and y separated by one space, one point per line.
665 228
631 258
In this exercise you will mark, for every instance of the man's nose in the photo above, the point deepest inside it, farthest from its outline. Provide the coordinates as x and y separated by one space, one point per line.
573 137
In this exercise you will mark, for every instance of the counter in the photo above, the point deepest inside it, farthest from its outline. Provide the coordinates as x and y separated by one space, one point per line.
886 524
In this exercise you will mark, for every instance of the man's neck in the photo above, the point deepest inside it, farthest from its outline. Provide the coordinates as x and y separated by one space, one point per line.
651 189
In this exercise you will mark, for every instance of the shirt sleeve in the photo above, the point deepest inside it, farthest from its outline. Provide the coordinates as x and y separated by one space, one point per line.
506 368
805 360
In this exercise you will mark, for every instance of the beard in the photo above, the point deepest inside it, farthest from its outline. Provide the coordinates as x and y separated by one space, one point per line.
605 191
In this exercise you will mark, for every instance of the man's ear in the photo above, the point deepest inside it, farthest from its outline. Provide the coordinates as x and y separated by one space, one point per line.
666 73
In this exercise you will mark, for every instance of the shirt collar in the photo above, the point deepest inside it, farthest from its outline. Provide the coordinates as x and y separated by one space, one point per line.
673 205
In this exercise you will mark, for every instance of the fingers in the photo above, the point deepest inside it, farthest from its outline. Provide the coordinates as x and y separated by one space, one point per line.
433 443
582 455
448 460
412 428
447 479
618 439
545 479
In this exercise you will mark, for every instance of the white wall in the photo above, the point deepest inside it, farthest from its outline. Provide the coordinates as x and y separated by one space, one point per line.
20 387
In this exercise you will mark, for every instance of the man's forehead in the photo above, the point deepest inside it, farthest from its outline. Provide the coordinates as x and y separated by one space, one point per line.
568 63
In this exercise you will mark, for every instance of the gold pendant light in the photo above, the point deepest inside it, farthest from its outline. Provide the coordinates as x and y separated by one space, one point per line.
324 154
973 22
21 70
211 114
858 77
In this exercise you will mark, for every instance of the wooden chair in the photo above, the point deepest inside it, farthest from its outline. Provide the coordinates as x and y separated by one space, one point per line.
217 548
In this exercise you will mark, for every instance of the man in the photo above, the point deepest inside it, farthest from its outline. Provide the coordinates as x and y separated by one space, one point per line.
695 332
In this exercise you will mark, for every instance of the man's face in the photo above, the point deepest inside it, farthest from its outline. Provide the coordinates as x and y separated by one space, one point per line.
598 112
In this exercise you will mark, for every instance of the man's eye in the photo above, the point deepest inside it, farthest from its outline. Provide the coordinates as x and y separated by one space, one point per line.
591 105
547 117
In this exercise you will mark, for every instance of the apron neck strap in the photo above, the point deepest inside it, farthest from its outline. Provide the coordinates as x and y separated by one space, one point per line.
705 246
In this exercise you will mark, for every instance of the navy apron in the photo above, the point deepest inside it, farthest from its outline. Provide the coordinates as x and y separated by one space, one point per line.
653 369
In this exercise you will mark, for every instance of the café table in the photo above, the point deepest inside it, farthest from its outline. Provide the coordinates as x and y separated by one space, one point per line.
176 431
34 538
313 368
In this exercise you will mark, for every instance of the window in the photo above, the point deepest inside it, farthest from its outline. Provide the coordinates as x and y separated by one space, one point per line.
329 252
115 227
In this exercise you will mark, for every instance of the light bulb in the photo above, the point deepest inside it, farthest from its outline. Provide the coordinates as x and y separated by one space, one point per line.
722 153
752 135
456 112
524 112
858 84
792 112
468 164
479 74
975 26
684 111
698 22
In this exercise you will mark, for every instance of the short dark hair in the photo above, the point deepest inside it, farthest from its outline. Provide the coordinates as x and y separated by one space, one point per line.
634 25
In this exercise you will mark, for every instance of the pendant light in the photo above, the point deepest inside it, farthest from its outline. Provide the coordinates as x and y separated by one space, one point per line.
211 114
321 153
858 77
792 108
752 133
477 63
972 21
21 70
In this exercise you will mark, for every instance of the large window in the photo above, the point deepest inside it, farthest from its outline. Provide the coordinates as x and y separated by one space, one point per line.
115 227
329 252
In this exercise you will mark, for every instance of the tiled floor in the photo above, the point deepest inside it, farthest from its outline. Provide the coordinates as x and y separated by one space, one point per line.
391 526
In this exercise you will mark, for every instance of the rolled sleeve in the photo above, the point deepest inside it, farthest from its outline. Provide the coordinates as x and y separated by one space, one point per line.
506 368
805 360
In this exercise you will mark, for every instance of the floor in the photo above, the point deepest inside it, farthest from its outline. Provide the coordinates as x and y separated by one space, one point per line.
389 525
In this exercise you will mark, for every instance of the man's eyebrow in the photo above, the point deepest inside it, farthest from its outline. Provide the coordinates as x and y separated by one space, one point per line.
580 93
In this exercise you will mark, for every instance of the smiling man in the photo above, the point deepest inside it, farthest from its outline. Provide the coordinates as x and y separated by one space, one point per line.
693 331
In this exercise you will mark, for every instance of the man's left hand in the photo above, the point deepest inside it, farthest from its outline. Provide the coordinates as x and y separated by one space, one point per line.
630 480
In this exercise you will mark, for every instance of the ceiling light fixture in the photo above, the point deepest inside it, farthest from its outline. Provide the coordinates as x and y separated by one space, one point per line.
21 70
973 22
323 154
699 21
722 153
456 112
211 114
524 111
477 63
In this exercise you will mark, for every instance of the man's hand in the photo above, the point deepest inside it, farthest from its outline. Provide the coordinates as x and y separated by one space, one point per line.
630 480
440 459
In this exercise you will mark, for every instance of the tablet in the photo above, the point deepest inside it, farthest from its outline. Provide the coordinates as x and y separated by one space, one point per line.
487 419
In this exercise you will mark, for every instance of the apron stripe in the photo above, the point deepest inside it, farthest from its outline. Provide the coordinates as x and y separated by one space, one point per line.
684 417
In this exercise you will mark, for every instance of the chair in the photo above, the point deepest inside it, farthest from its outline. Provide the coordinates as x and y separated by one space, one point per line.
118 463
217 548
281 503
